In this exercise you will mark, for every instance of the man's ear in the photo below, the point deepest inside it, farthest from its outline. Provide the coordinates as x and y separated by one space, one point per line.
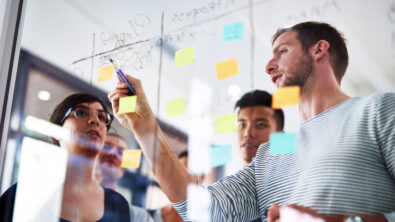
320 49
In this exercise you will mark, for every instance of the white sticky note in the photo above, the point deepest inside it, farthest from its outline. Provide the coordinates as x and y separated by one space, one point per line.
40 181
200 129
199 144
198 203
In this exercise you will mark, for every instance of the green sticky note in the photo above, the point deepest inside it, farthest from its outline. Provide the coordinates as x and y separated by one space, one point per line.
282 143
127 104
226 123
185 56
220 155
175 107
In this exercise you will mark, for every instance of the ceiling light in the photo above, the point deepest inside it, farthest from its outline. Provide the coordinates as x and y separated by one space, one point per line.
44 95
234 90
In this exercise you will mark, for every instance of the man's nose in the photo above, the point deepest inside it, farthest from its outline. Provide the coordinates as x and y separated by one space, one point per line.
248 131
113 151
271 66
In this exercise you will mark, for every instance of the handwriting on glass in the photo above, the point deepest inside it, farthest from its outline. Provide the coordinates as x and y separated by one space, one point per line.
319 9
211 7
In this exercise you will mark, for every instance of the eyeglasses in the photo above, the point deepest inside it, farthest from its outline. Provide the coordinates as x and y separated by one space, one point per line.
81 112
109 147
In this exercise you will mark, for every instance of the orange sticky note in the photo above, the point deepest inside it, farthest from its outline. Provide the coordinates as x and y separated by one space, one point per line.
127 104
286 96
227 68
131 158
105 73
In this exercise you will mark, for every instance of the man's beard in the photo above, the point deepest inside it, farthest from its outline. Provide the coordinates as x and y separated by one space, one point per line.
302 73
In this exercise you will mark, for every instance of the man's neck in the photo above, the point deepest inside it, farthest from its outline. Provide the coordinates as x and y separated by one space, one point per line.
319 98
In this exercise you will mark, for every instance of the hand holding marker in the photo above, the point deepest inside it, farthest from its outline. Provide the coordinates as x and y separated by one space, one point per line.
122 75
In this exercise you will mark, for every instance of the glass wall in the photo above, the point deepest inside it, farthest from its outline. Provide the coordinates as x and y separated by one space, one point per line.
195 60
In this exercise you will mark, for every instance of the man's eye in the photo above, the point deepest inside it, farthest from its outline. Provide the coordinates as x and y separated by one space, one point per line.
107 147
241 125
261 125
120 152
282 52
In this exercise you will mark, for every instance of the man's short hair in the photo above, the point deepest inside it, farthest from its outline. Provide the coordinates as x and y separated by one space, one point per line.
261 98
309 33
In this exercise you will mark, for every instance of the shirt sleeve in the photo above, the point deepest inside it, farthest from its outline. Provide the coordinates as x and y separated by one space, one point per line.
233 198
385 122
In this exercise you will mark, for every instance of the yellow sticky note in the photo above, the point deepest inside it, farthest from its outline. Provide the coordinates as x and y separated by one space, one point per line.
127 104
227 68
286 96
185 56
131 158
105 73
175 107
225 123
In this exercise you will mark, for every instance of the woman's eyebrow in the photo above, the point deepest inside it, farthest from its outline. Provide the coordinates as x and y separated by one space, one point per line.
83 106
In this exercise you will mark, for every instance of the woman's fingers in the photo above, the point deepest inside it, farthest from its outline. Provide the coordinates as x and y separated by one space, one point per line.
114 97
137 120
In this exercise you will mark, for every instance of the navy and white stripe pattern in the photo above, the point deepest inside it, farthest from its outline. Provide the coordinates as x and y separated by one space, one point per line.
344 164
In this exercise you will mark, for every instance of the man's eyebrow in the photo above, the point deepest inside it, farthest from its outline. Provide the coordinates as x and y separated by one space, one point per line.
241 120
281 44
261 119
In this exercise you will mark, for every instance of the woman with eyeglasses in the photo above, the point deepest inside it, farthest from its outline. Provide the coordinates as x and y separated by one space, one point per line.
83 198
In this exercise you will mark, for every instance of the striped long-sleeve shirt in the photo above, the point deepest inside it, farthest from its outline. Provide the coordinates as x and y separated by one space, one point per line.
344 164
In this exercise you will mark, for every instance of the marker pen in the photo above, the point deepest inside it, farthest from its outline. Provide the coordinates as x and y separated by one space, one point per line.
123 78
